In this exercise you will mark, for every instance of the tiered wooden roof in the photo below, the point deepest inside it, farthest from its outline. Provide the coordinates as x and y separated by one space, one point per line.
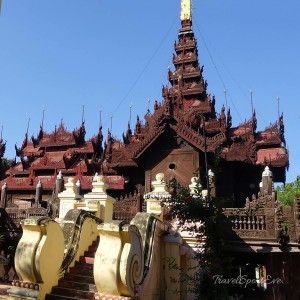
187 110
62 150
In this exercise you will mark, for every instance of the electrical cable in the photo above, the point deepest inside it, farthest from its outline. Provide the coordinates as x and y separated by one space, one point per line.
217 70
144 68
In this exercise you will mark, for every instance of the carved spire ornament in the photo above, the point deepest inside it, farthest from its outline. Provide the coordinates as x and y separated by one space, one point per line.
186 10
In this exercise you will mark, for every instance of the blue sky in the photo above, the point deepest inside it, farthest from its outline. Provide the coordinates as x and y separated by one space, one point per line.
108 55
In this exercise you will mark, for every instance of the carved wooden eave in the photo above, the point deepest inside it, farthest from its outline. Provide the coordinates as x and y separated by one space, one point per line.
16 169
267 139
241 132
29 183
144 144
184 72
197 106
49 161
185 44
273 157
197 140
19 151
123 157
96 142
126 155
68 153
270 136
244 151
79 134
31 151
61 137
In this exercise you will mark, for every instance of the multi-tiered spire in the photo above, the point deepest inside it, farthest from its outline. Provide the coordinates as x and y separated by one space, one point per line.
187 95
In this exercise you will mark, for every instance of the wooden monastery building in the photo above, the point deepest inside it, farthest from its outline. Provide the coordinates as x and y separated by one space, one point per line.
182 137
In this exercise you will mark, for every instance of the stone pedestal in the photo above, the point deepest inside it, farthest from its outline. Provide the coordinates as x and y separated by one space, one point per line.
155 198
98 201
67 198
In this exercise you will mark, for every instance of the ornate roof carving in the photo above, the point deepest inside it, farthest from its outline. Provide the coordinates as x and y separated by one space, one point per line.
187 110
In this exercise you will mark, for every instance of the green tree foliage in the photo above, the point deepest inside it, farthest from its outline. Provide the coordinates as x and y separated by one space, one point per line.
206 221
286 193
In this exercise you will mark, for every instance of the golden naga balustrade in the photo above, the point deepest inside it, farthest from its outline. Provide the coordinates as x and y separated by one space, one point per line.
133 259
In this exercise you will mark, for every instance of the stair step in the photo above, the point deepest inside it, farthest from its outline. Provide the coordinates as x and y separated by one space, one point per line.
81 271
93 248
78 278
89 253
96 242
78 283
75 285
73 293
61 297
85 259
83 265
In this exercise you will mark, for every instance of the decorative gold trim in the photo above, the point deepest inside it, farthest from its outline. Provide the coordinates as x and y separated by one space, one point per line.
186 10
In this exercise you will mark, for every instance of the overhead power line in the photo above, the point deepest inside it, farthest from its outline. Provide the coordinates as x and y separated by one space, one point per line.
144 68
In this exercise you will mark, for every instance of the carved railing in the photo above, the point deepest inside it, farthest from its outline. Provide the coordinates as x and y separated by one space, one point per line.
125 208
249 223
130 260
260 223
16 215
73 226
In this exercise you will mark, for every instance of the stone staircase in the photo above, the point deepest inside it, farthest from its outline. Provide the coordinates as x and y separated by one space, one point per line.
79 282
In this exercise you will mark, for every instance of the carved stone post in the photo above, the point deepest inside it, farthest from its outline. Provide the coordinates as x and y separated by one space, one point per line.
38 194
67 198
78 187
154 199
267 182
119 260
98 200
38 257
172 266
3 195
59 184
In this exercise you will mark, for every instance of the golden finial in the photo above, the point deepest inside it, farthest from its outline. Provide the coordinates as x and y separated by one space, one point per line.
186 10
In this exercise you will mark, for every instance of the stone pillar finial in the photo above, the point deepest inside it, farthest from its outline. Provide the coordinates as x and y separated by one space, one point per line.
3 195
68 197
38 193
194 185
267 182
60 175
59 184
98 200
78 187
154 199
95 178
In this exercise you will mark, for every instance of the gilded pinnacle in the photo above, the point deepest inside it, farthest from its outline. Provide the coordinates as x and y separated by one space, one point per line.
186 10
